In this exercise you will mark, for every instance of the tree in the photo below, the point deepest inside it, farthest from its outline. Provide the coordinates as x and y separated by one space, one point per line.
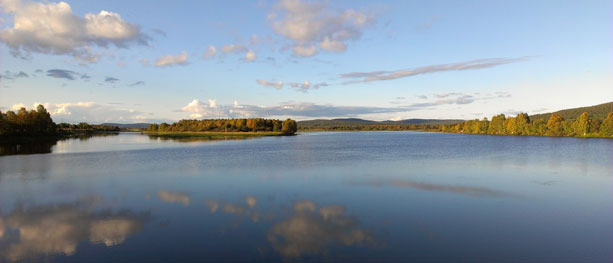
521 122
555 125
606 128
497 125
582 126
289 127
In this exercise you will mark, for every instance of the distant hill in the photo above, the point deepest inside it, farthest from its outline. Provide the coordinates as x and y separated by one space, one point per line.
128 126
362 122
599 111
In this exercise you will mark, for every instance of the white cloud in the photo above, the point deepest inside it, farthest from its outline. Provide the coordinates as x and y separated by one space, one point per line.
265 83
90 112
332 45
305 50
233 48
210 52
52 28
198 109
250 56
171 60
310 23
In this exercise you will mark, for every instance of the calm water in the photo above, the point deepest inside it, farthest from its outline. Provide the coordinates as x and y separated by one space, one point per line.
362 196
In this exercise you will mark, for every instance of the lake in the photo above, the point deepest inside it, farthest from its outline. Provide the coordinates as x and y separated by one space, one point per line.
336 196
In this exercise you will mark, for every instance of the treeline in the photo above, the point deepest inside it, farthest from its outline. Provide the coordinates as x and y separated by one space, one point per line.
583 126
85 127
287 127
373 127
27 123
38 123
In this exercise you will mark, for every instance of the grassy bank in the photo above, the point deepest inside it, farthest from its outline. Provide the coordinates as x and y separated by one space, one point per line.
212 135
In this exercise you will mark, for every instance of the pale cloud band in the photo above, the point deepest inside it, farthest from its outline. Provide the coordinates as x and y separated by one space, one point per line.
466 65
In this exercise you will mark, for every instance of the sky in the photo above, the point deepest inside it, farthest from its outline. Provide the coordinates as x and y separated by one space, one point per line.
162 61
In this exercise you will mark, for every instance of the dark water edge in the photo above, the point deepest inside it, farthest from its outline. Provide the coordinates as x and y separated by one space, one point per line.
43 144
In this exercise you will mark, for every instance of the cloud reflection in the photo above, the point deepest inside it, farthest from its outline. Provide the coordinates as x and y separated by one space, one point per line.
173 197
462 190
311 231
48 230
237 209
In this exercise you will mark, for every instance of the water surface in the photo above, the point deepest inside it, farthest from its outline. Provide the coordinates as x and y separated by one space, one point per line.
367 196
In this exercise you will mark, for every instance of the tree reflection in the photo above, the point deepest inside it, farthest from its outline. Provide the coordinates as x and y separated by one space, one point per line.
44 146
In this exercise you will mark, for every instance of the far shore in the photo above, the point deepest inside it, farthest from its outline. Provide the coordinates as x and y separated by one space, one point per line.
212 134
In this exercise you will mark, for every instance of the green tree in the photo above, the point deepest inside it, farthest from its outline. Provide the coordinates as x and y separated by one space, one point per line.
521 123
606 128
496 126
289 127
582 126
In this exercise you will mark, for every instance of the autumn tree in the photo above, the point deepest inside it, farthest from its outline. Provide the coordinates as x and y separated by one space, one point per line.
289 127
555 125
606 128
496 126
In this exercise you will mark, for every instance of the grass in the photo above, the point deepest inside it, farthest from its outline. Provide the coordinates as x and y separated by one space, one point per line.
212 135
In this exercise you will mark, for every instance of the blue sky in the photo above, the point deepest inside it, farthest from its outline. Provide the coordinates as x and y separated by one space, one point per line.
143 61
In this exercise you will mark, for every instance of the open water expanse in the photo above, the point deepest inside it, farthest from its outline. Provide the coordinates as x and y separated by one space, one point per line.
342 196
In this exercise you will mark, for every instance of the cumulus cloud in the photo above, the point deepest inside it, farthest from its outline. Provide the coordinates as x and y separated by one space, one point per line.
250 56
307 24
198 109
332 45
91 112
270 84
210 52
171 60
52 28
305 50
58 230
466 65
173 197
309 232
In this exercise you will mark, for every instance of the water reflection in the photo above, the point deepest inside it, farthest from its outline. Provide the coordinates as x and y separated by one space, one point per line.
199 138
34 232
306 231
44 146
462 190
26 148
309 231
173 197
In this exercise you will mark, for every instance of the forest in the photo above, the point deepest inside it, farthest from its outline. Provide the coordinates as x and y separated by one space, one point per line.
583 125
38 124
373 127
287 127
27 123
